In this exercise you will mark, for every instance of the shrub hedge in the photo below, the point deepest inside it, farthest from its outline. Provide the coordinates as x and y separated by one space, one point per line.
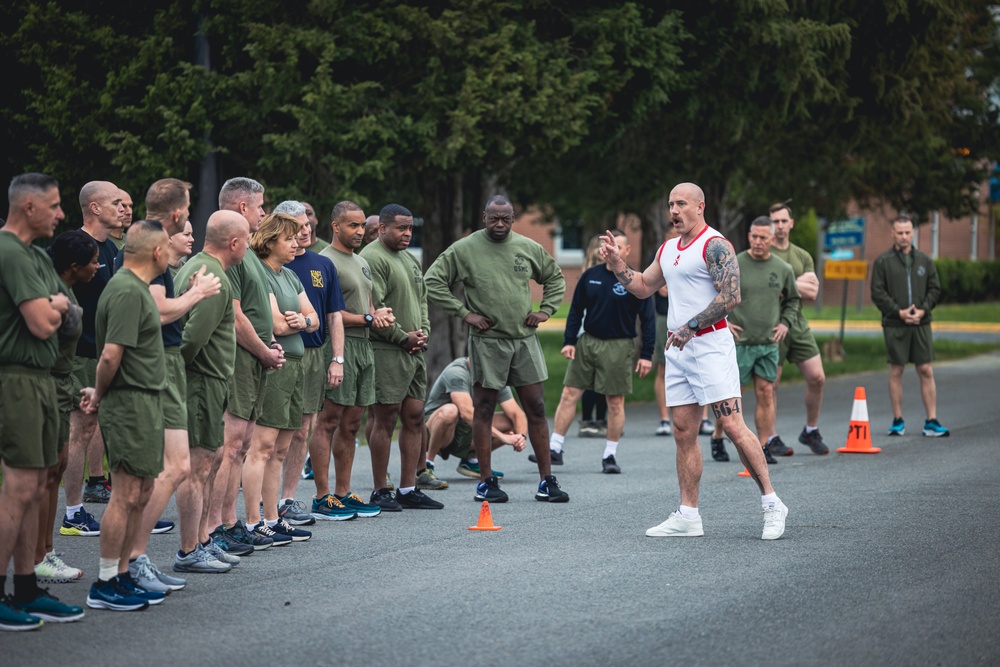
967 281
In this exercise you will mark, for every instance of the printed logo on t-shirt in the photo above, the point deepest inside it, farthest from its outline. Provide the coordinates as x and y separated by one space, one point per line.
677 261
619 289
519 266
368 274
317 278
418 277
772 281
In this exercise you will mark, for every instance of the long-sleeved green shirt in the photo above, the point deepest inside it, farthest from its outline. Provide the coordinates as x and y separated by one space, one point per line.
397 282
896 286
768 296
496 277
208 344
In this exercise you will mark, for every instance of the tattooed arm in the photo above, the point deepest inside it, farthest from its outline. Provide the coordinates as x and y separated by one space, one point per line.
640 284
725 272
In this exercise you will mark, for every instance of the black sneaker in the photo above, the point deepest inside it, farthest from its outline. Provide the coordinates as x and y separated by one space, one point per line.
778 448
230 544
610 466
719 452
767 455
549 491
489 489
242 534
417 500
384 499
814 441
556 458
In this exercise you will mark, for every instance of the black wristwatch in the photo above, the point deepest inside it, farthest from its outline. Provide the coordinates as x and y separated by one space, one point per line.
693 324
368 320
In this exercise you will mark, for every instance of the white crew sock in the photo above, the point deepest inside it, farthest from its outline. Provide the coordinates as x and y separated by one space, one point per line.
271 524
71 510
406 489
556 442
688 512
108 569
610 448
811 429
770 500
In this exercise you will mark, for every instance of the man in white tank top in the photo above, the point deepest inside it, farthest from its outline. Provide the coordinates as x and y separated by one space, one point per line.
702 275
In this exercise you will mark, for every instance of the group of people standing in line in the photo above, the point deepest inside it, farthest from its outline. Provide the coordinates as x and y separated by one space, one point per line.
201 376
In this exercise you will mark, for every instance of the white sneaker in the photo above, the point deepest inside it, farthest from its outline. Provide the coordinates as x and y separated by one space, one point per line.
665 428
774 521
677 526
52 570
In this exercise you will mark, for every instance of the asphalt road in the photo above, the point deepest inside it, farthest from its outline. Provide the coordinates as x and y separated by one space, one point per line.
889 559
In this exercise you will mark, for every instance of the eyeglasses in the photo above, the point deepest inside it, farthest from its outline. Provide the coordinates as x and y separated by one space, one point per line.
494 219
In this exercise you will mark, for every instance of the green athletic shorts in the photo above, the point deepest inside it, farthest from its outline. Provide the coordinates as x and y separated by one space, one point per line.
759 360
282 398
132 425
67 393
84 374
174 394
399 374
909 344
461 443
659 357
799 345
314 365
206 403
246 386
506 362
358 387
29 417
602 365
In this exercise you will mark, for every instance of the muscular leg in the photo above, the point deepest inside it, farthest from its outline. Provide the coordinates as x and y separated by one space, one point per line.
812 370
441 426
191 497
566 410
896 390
764 415
687 419
533 403
411 436
82 430
616 417
730 412
380 440
484 405
271 480
928 389
296 457
176 468
116 524
320 443
226 486
344 449
18 516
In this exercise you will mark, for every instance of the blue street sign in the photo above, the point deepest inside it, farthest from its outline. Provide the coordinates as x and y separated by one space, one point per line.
844 233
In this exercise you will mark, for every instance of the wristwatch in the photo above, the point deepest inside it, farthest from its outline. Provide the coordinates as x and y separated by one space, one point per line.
339 360
693 324
308 323
369 320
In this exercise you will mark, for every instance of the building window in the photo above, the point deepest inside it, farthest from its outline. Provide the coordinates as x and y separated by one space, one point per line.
569 243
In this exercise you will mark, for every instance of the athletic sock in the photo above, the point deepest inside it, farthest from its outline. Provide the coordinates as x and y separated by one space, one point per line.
771 438
688 512
271 524
770 500
71 510
25 588
472 461
556 442
92 481
108 569
610 448
811 429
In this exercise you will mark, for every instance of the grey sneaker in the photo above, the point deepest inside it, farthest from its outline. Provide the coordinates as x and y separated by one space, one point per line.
221 554
142 574
294 513
588 429
428 480
96 493
779 448
201 561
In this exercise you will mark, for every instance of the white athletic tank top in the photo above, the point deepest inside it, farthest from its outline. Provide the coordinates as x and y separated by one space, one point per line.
689 285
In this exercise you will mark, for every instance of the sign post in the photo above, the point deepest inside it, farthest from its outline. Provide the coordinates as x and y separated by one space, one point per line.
846 270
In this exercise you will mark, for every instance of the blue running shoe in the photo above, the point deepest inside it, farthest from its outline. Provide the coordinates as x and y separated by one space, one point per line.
307 469
82 523
13 619
112 595
162 527
933 429
353 502
549 491
48 608
128 585
329 508
898 427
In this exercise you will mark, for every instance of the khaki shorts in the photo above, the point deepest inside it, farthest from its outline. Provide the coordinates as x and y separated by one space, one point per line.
506 362
602 365
282 399
358 387
461 443
132 425
246 386
174 394
909 344
314 365
66 393
798 346
662 333
84 374
399 374
759 360
29 417
206 403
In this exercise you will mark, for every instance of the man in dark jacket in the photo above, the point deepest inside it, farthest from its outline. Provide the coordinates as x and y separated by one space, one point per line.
905 287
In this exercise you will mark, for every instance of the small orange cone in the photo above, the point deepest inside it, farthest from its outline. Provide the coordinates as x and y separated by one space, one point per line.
745 473
485 519
859 434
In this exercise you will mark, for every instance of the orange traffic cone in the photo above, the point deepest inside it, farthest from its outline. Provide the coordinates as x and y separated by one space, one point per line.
859 434
485 519
745 473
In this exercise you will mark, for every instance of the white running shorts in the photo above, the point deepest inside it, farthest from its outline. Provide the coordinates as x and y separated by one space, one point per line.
704 372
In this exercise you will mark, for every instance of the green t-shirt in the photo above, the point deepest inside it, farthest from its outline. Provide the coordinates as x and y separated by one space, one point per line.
398 283
496 277
208 344
286 287
250 288
67 343
768 295
801 262
456 377
26 273
319 246
127 316
355 279
119 242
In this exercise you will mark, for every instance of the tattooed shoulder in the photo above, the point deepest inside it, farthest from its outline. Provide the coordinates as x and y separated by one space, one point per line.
723 267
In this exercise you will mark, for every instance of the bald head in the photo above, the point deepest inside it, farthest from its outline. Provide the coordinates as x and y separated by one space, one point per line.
96 191
101 203
690 191
371 228
223 226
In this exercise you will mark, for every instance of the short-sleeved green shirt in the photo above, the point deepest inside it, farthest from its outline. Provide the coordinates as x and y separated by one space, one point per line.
456 377
208 344
769 295
250 288
801 262
355 279
127 316
26 273
286 287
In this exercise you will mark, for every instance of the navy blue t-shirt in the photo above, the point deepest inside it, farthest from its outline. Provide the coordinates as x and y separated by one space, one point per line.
319 278
88 294
610 310
173 333
660 303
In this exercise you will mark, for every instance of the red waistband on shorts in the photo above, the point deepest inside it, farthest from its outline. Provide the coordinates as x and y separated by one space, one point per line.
721 324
